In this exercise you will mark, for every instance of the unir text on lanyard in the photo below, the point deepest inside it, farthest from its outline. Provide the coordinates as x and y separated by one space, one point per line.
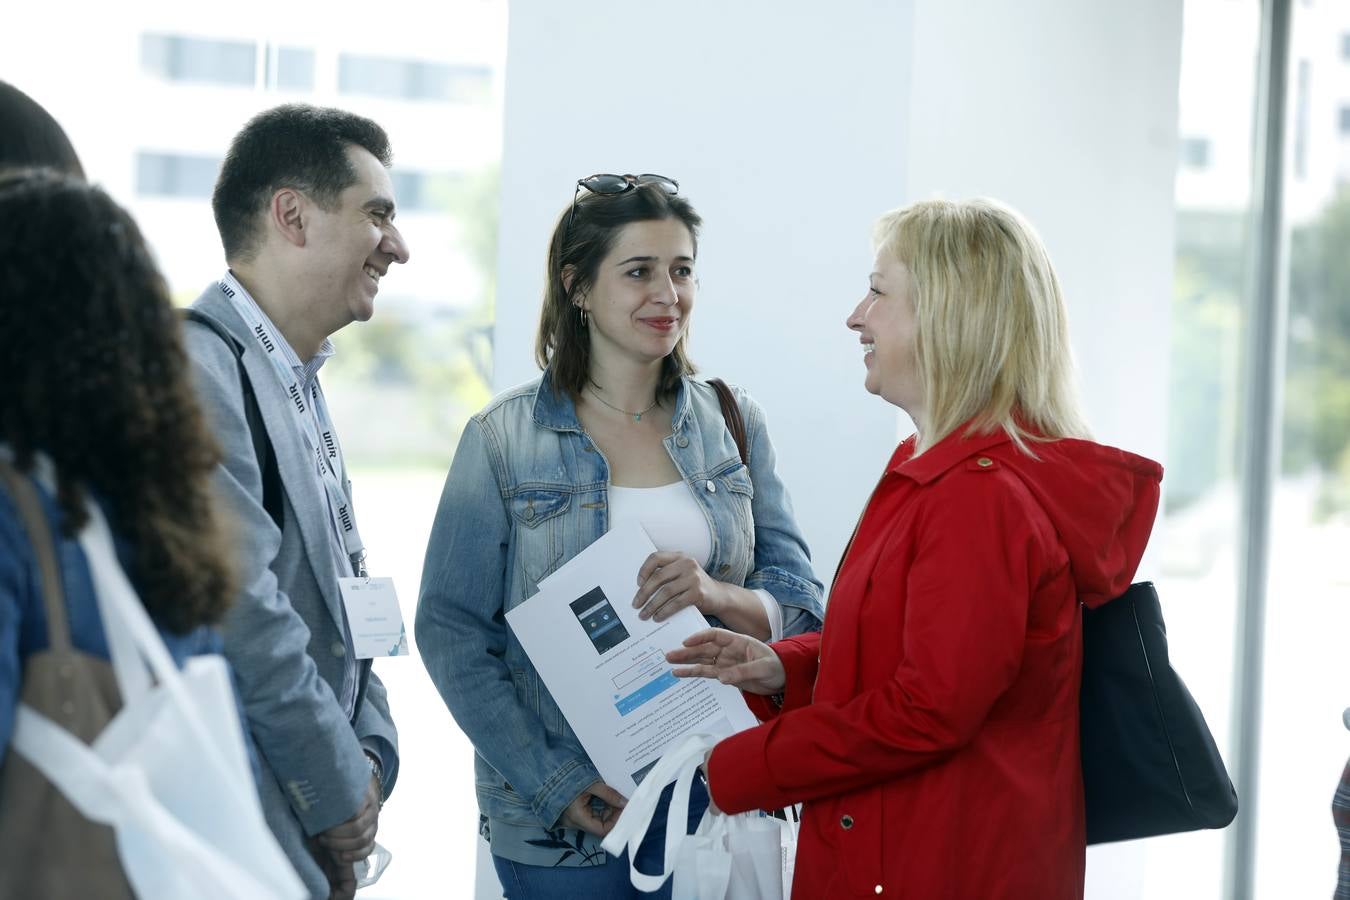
316 427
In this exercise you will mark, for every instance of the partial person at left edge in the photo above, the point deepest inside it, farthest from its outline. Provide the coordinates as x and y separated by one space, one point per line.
305 210
31 138
97 408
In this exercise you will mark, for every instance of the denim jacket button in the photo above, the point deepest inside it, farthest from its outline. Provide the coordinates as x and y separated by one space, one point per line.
712 488
529 512
338 649
682 441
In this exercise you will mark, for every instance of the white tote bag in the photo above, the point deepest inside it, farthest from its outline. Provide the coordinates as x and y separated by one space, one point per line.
169 773
736 857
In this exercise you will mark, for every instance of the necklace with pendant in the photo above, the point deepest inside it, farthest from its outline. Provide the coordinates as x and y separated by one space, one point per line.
637 416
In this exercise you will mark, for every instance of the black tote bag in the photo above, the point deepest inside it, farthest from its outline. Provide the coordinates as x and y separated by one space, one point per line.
1150 764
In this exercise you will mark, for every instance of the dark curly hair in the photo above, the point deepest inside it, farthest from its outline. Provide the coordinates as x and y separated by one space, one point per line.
96 378
290 146
562 342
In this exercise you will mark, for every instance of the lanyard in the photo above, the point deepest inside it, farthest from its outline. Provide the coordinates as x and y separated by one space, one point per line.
311 414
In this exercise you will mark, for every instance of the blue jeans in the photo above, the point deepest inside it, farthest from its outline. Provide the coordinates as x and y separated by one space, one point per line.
525 882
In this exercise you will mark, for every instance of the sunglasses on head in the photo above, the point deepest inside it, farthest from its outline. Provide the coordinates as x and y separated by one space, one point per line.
617 184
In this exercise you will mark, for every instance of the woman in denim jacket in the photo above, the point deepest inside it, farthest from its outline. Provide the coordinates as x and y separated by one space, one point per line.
616 431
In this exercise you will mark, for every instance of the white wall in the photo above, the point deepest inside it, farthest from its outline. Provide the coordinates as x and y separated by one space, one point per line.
1068 111
785 126
791 126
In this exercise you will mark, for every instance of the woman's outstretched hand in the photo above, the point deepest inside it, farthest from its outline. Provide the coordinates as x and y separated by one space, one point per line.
735 659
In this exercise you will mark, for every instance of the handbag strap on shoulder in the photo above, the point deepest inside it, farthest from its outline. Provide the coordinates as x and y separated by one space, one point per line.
731 411
40 536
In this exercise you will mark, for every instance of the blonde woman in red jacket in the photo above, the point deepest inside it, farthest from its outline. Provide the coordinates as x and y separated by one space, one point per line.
931 729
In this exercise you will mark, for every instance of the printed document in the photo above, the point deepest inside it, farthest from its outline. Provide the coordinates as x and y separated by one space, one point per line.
607 669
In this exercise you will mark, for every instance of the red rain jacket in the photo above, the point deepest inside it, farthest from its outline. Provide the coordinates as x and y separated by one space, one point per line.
932 727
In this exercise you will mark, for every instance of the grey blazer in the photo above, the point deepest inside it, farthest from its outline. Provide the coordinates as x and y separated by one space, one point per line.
283 636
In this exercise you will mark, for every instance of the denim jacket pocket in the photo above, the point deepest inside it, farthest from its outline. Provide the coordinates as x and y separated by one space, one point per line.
533 507
738 480
538 521
740 491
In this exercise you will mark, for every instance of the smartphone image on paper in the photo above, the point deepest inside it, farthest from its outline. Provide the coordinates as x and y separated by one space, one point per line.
599 620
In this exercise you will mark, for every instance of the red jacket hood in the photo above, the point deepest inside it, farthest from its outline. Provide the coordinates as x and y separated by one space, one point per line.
1101 500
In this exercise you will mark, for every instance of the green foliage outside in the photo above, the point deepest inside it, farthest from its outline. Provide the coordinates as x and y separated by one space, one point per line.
1317 380
1203 401
1206 364
412 378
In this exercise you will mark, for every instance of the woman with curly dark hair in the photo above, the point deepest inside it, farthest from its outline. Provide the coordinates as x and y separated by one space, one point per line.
96 408
95 378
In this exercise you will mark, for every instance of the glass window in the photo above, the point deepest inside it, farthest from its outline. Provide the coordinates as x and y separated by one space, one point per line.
424 191
294 69
1194 153
175 174
1304 743
1199 546
176 57
1300 103
412 79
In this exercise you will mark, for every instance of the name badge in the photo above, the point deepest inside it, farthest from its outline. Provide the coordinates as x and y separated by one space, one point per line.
374 617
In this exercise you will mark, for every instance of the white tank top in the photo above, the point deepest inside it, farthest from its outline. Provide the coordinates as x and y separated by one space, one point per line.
669 514
673 520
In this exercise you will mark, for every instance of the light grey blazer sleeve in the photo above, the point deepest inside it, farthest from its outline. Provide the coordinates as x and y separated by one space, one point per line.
375 728
293 715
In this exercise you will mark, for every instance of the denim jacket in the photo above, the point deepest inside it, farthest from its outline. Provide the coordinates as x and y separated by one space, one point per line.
526 492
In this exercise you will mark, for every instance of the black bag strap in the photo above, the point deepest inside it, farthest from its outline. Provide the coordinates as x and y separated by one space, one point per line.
731 411
35 523
262 447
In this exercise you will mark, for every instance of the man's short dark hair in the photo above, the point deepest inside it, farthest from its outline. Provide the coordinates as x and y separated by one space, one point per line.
292 146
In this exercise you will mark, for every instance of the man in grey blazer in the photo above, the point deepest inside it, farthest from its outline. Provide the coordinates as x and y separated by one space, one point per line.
305 209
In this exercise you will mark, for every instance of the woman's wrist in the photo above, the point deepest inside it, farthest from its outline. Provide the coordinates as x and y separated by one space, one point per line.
741 610
722 599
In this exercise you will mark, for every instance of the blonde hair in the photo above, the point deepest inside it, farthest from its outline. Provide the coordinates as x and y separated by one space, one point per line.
991 336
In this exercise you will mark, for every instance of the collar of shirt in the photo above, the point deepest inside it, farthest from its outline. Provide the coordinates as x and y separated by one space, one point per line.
305 371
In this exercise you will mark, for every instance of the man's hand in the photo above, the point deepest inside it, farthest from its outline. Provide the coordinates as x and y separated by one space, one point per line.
341 876
355 838
582 813
735 659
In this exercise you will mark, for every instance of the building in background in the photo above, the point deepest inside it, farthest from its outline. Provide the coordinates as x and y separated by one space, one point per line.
165 89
